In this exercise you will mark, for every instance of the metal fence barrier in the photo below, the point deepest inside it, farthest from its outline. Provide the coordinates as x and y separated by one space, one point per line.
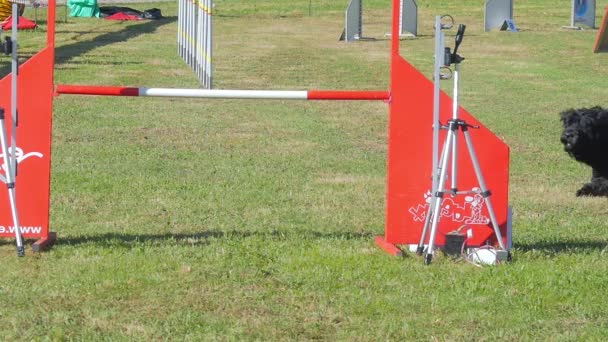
194 38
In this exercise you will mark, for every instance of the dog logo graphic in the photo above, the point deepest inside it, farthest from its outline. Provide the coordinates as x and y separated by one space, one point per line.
20 156
467 210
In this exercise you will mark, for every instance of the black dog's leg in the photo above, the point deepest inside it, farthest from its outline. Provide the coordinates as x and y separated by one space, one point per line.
597 187
586 190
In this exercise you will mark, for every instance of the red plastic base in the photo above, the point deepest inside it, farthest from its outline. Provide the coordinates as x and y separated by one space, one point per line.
388 247
44 243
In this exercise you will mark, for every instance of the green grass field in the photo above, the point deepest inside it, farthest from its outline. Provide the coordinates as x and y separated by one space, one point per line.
185 219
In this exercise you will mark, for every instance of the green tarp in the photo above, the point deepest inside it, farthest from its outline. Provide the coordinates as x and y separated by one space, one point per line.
83 8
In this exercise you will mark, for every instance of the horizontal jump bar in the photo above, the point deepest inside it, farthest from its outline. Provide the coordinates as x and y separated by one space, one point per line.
224 94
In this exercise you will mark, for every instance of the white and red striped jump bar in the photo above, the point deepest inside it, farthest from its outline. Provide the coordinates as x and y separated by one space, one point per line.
224 94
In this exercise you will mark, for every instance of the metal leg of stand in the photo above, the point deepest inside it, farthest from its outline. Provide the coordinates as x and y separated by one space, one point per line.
429 212
10 185
450 139
10 160
438 195
454 171
425 228
482 186
454 166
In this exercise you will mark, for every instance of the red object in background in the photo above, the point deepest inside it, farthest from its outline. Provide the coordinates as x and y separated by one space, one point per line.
409 163
601 38
22 24
122 16
33 137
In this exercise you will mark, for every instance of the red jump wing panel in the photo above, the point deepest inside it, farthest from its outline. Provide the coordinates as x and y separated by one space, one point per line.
409 165
33 137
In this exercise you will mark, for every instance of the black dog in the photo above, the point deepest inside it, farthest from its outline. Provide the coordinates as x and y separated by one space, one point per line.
585 138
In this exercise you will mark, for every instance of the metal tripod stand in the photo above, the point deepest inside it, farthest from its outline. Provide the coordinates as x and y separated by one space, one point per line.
10 159
449 152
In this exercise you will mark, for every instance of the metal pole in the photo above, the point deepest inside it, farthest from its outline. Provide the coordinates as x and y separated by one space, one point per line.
209 45
14 74
11 171
572 13
438 194
202 30
199 68
189 32
439 52
454 174
179 27
482 186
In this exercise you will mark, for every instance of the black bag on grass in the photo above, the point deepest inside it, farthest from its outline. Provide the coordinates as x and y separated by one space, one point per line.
153 13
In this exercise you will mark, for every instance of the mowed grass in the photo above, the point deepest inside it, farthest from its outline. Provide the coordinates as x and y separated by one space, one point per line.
185 219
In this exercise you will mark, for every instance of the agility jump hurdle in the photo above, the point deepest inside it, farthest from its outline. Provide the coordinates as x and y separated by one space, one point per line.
409 98
194 37
225 94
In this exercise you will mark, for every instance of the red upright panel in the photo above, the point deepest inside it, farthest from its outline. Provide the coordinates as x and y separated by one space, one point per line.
409 163
33 140
601 38
33 136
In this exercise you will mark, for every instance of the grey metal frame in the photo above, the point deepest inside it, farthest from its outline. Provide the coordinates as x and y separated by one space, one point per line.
353 24
588 19
496 12
408 17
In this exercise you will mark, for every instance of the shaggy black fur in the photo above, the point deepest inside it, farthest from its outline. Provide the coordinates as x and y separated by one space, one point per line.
585 138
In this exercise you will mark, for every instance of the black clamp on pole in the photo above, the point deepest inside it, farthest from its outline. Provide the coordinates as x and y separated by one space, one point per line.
450 57
7 46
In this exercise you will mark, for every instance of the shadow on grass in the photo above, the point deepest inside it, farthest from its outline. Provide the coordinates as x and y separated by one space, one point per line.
563 247
205 237
197 239
67 52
